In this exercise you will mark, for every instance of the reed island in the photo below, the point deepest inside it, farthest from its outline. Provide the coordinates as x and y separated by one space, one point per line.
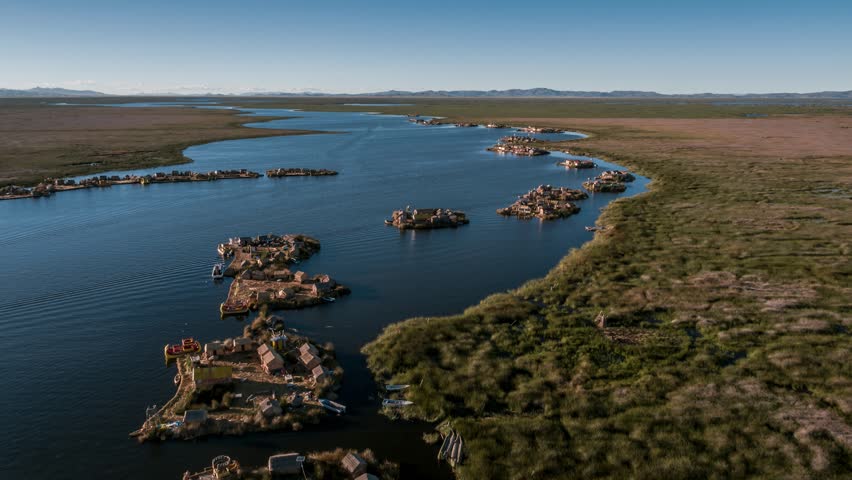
611 181
299 172
268 379
518 145
260 267
54 185
426 218
545 202
579 164
338 464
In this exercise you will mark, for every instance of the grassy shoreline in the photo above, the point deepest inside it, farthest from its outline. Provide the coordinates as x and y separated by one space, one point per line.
726 351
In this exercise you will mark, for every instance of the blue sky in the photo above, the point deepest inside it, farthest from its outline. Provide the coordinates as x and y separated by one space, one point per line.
190 46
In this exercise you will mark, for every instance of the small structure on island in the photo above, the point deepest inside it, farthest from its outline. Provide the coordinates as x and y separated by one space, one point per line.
195 418
319 373
270 407
214 349
353 464
270 359
308 348
209 376
309 360
285 464
243 344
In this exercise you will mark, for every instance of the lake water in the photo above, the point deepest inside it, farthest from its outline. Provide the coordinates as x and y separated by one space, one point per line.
98 280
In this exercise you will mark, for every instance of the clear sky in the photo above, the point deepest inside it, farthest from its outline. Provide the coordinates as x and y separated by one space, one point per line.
190 46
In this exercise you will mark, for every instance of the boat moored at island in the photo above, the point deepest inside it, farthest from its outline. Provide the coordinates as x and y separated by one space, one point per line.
185 347
332 406
218 272
390 402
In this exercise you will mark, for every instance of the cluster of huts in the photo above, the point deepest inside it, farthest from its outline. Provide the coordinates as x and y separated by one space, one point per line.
545 202
54 185
299 172
352 464
576 163
540 130
421 121
426 218
611 181
518 145
466 124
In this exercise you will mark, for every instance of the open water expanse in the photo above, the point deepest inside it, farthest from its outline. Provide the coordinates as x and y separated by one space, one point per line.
96 281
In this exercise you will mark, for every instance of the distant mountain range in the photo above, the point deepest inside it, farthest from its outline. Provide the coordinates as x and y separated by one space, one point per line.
49 92
511 93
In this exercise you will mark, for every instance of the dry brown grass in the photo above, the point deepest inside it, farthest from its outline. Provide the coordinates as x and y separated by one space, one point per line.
40 140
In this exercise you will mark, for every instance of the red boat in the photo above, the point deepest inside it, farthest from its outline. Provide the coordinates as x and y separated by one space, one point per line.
186 346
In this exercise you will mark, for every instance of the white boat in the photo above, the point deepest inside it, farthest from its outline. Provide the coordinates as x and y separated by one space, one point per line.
396 388
218 271
332 406
389 402
329 299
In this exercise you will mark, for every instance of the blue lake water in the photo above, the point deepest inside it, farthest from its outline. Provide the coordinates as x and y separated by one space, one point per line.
98 280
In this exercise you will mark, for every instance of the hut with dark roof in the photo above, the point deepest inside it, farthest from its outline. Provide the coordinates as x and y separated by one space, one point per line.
354 465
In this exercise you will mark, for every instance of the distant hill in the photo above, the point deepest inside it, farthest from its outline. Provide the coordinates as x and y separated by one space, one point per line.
511 93
549 92
49 92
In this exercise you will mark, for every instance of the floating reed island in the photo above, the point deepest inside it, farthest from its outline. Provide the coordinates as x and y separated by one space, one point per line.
421 121
467 125
496 125
540 130
54 185
611 181
518 145
545 202
299 172
572 163
264 380
262 276
426 218
327 465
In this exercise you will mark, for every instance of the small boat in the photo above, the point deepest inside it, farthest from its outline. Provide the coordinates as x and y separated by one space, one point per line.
187 345
396 388
238 308
388 222
332 406
177 379
218 272
591 229
389 402
329 299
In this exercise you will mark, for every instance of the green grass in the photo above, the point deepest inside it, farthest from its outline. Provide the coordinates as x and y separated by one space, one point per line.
727 352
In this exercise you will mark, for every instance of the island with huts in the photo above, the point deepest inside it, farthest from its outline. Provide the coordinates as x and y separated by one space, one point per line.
540 130
518 145
261 267
424 121
611 181
299 172
55 185
466 124
577 163
426 218
545 202
339 464
270 378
